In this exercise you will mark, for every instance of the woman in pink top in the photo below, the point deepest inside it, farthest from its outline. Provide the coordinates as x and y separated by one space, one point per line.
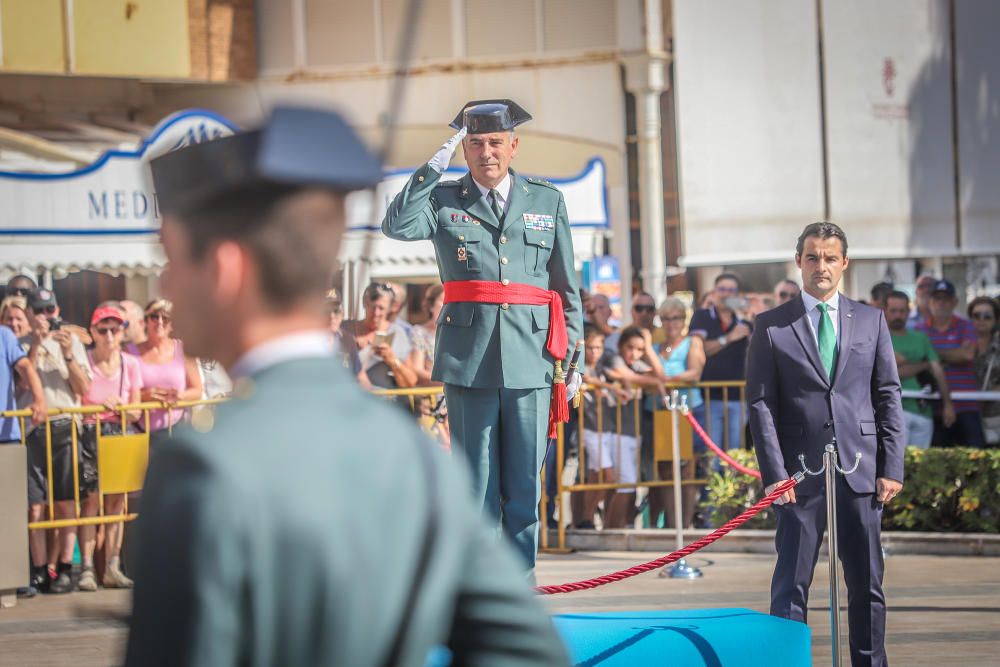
116 382
167 375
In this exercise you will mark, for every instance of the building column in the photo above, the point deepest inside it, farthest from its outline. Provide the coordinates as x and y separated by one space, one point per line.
645 77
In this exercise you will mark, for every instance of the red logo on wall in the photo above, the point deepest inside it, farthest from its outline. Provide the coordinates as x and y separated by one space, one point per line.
889 76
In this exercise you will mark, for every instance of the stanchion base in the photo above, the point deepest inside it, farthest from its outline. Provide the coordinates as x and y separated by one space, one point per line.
681 570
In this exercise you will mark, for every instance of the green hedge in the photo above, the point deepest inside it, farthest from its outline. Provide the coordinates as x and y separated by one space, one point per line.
946 490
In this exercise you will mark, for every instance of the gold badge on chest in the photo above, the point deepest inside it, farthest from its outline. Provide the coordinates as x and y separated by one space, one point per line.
463 254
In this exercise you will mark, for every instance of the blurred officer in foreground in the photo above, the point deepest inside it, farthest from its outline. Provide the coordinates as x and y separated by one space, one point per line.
253 547
511 308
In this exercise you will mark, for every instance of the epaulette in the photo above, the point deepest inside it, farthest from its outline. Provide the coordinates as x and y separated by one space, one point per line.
448 184
540 181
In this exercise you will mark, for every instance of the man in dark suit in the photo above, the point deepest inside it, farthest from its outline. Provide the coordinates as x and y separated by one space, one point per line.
820 369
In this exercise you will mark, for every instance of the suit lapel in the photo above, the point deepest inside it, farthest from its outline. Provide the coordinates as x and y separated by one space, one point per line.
518 201
475 203
800 325
845 321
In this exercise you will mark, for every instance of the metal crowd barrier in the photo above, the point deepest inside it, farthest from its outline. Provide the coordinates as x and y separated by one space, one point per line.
672 441
121 459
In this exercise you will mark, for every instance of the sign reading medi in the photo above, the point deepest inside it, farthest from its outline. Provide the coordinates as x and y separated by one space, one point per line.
114 196
111 196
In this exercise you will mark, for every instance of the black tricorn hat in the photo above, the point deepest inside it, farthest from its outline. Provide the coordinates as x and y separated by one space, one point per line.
485 116
296 147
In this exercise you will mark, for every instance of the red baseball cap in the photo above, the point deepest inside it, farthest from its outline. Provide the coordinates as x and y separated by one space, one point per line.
106 313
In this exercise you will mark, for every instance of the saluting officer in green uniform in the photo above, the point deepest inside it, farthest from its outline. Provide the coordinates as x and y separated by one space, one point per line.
505 255
253 546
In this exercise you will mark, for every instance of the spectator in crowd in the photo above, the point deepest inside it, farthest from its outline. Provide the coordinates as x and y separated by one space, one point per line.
985 315
643 316
599 314
398 301
167 375
135 325
922 301
61 362
879 292
682 358
635 366
116 381
14 315
955 338
20 285
382 345
914 356
344 345
599 426
725 336
424 336
785 291
585 304
16 364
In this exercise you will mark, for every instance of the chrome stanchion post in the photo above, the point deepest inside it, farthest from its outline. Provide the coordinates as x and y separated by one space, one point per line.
831 467
676 403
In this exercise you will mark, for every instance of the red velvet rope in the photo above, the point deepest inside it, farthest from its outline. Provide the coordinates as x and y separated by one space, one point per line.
718 450
762 504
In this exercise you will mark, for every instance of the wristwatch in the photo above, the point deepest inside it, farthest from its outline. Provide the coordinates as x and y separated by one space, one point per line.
721 340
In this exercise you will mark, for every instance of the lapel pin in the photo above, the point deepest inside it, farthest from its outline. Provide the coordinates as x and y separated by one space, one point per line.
464 192
849 314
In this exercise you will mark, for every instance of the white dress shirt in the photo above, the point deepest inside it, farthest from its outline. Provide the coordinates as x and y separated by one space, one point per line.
813 313
302 345
502 188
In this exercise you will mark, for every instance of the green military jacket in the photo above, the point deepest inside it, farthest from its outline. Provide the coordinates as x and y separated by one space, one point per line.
489 345
292 534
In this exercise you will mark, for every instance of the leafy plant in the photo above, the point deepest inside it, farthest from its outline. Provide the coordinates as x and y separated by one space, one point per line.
945 490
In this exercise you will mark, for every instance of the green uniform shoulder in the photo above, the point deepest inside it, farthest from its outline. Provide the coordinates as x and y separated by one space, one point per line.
540 181
449 184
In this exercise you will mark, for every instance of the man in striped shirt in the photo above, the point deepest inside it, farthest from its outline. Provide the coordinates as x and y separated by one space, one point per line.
954 339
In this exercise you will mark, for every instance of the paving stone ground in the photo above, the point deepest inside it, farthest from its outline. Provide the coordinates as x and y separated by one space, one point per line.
943 611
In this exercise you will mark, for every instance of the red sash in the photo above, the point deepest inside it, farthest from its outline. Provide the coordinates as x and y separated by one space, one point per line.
487 291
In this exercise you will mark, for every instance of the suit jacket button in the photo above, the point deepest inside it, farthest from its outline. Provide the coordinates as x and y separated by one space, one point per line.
505 281
504 260
503 239
505 306
420 178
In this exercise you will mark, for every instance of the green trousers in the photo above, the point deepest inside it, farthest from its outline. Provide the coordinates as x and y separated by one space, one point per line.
502 434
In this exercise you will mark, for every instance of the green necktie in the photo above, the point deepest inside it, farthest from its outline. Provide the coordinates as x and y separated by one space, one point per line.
495 205
827 340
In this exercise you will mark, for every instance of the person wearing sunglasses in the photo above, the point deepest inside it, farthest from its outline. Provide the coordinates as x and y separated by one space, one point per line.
785 291
20 285
954 338
61 361
116 381
643 316
168 375
985 315
725 336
